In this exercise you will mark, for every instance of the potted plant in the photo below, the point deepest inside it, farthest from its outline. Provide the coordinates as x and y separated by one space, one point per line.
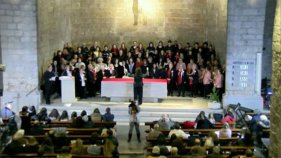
214 102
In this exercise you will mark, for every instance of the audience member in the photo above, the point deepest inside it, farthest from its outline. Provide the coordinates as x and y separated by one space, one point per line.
7 112
155 132
197 149
78 147
65 153
209 142
42 115
32 112
156 153
111 145
25 119
202 122
215 153
54 115
178 132
165 123
225 132
64 116
108 116
174 153
96 115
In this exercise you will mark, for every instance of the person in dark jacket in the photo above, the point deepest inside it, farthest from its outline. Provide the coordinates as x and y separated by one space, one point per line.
203 122
138 86
49 78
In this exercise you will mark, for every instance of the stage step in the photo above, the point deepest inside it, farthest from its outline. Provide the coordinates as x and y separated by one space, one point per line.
179 109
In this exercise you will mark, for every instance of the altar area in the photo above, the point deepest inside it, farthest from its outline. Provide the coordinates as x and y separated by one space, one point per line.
122 89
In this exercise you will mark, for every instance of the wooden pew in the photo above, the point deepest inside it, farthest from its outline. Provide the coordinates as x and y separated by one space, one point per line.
203 132
77 131
217 124
51 155
106 124
223 148
86 138
220 139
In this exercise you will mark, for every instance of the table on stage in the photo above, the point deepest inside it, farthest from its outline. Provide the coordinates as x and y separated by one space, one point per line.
121 89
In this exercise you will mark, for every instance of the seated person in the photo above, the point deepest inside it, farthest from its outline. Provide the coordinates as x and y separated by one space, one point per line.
64 116
17 144
165 123
42 115
174 153
180 144
96 115
54 115
161 143
246 138
7 112
25 119
209 142
154 133
229 118
197 149
202 122
178 132
215 153
225 132
156 153
77 147
108 116
65 152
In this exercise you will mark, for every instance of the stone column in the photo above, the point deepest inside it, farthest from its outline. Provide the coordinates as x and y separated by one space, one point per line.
245 40
275 119
18 28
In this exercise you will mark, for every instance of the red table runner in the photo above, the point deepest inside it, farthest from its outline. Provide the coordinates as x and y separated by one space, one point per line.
131 80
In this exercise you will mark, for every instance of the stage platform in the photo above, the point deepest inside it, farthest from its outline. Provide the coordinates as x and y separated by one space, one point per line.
179 108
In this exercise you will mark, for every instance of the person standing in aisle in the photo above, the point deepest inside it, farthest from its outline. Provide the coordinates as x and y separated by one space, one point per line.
138 86
134 120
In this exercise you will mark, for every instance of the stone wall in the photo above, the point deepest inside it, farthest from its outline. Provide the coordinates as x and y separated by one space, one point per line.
108 21
216 26
275 143
244 42
54 27
18 29
267 39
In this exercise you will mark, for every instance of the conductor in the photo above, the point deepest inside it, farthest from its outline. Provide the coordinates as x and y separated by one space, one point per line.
138 86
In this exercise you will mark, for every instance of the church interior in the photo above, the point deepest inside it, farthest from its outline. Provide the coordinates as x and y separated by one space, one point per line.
209 69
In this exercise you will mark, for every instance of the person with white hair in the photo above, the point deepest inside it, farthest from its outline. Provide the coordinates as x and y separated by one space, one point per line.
165 122
7 112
